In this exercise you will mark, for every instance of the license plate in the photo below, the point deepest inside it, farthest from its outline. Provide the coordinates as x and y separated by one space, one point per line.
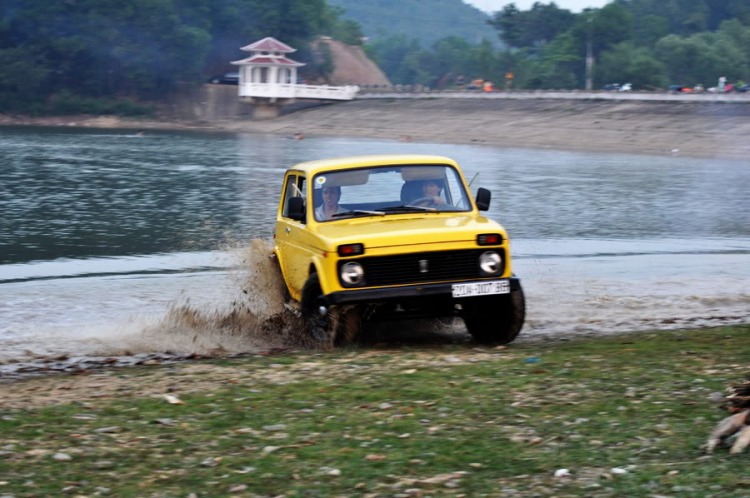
481 288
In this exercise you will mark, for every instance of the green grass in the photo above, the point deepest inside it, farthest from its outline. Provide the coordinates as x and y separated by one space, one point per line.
637 402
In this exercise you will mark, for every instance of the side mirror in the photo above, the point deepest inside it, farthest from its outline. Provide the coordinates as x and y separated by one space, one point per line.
483 199
296 209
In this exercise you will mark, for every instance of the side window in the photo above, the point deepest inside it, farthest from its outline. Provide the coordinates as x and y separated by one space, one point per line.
288 193
294 187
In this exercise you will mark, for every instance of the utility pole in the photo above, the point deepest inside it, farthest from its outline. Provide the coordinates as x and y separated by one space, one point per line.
589 55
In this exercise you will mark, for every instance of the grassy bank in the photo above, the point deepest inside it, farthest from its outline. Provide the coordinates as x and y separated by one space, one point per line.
626 415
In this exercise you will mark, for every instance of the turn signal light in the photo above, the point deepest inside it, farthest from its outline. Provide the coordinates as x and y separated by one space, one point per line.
351 250
489 239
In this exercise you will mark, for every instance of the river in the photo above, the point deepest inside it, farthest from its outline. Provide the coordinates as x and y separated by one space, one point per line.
104 233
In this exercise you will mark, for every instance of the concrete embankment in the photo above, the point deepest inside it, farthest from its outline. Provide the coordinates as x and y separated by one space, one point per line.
690 125
693 128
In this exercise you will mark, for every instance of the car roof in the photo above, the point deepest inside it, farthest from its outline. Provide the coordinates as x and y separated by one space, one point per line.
312 167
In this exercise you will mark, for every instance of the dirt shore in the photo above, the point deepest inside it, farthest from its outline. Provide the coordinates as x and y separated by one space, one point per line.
691 129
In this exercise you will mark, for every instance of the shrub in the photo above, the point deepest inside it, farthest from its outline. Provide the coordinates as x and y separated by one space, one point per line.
67 103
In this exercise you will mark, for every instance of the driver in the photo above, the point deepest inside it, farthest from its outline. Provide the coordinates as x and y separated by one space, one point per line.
431 194
330 205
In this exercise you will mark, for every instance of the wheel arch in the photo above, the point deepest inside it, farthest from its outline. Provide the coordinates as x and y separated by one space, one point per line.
316 267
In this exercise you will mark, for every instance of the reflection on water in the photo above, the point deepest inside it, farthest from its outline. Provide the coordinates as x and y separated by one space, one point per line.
104 229
80 193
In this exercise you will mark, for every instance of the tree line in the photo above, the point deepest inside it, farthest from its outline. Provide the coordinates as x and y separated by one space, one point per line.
93 55
98 55
648 43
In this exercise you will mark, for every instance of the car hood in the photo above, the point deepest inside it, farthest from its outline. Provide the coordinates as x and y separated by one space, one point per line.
390 231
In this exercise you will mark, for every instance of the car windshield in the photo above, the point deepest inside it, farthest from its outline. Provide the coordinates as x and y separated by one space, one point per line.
388 190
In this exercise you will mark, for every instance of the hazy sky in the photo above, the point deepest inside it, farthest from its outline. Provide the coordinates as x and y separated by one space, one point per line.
574 5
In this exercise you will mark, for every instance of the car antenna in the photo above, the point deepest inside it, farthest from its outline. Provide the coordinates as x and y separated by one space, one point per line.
474 178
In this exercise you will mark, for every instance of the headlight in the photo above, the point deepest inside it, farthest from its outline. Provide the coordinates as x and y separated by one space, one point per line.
352 273
490 262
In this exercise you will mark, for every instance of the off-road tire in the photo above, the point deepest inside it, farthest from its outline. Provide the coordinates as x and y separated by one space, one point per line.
339 326
349 323
319 329
495 319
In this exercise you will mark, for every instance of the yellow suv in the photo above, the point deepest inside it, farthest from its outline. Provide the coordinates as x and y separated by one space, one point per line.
393 236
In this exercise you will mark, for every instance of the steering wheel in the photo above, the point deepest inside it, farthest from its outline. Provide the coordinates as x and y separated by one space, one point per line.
429 199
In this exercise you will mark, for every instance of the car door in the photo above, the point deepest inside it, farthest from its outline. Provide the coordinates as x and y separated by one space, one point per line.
294 257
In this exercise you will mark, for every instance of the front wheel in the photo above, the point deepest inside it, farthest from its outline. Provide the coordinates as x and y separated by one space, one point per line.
326 326
495 319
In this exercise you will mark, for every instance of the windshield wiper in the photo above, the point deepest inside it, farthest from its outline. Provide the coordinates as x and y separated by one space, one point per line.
359 212
408 209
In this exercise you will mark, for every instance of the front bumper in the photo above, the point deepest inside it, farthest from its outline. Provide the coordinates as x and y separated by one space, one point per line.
405 292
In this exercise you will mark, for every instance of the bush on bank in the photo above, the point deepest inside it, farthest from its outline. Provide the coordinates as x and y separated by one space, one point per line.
67 103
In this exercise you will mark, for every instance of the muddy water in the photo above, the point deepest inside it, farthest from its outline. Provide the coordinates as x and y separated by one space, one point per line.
116 244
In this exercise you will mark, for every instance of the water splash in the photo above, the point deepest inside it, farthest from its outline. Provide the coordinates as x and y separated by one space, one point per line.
232 300
255 317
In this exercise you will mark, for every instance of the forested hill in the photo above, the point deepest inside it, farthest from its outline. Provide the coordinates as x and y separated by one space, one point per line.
98 57
425 20
89 55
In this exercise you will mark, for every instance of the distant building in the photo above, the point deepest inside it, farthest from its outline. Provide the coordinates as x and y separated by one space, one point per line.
268 76
268 63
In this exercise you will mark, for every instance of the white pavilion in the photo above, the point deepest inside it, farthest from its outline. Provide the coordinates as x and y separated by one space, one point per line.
268 79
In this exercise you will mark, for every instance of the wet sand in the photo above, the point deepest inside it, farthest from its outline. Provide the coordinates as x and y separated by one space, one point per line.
691 129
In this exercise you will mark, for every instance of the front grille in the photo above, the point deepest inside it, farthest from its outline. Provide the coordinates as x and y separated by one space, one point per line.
409 268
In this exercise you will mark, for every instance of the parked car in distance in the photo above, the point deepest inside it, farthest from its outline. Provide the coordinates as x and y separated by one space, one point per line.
616 87
393 237
225 79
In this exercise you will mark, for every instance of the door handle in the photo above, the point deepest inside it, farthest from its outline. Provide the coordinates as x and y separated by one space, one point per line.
288 229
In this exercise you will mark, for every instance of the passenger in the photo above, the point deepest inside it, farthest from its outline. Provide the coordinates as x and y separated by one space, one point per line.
330 205
430 194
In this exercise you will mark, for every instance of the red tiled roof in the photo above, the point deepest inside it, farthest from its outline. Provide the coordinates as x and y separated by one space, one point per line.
269 44
263 60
